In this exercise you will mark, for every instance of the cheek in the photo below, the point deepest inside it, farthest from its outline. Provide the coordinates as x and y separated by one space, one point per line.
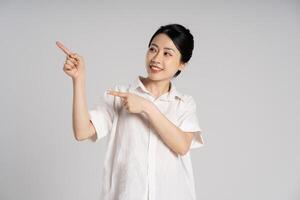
176 61
171 62
171 65
148 57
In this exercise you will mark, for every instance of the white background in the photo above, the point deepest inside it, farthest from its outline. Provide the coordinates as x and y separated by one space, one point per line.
244 76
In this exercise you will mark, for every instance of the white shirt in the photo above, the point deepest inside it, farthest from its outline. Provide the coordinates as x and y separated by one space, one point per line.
138 164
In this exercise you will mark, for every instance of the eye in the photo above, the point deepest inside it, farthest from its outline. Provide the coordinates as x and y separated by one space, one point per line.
151 49
166 53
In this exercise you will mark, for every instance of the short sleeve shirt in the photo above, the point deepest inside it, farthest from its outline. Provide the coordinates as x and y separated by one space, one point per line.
138 165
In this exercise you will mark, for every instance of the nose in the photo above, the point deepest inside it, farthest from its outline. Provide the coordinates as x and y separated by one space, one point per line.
156 58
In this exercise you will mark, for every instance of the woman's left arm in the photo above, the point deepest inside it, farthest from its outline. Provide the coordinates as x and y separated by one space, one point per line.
176 139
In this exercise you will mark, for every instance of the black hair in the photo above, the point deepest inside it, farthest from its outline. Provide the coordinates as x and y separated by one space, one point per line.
182 39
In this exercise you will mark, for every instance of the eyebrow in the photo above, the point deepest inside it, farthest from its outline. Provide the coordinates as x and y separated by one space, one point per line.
164 48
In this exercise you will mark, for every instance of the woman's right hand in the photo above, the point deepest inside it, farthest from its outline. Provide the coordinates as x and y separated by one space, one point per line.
74 65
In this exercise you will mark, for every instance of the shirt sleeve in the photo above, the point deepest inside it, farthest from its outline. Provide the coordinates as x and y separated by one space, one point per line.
189 122
102 115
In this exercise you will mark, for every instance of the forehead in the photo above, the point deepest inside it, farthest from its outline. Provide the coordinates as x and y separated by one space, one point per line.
162 40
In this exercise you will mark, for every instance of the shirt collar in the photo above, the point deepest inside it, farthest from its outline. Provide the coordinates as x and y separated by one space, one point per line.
170 96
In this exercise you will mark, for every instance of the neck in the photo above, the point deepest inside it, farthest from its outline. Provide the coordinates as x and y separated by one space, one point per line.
156 88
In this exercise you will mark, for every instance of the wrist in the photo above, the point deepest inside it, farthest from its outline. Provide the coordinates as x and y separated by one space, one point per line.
148 107
79 79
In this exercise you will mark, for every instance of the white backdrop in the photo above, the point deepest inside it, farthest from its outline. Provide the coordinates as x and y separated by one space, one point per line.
244 75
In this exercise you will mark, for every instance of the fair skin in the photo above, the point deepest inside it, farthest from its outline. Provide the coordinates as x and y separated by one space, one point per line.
75 68
163 54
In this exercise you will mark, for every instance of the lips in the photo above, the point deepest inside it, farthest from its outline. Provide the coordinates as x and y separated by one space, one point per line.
155 67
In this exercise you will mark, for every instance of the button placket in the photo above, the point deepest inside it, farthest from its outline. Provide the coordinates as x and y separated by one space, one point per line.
151 159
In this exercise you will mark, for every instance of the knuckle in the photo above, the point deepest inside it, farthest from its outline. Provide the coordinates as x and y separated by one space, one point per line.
72 55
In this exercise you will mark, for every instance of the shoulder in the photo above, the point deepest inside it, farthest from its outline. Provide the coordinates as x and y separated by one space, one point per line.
188 102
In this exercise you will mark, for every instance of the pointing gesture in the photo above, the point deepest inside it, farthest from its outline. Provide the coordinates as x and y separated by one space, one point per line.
74 65
62 47
132 102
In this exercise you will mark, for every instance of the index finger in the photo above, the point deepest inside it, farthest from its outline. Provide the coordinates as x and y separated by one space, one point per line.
62 47
116 93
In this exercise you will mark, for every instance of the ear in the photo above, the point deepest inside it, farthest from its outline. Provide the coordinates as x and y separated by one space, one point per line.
182 66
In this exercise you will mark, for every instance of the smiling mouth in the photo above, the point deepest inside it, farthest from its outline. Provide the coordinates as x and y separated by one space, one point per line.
155 68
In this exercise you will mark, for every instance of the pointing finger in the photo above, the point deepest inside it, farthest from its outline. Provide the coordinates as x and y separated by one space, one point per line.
62 47
115 93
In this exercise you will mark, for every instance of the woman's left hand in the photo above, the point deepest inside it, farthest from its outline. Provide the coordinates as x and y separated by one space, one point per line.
132 102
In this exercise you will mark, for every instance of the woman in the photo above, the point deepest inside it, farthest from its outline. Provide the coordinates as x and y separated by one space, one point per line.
151 126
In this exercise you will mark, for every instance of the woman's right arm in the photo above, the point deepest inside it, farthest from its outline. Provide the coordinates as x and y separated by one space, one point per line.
75 68
82 126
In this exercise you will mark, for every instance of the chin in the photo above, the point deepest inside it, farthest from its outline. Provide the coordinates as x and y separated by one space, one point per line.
153 77
156 78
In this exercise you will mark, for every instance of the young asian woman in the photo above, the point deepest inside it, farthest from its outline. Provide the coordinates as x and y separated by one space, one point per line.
151 125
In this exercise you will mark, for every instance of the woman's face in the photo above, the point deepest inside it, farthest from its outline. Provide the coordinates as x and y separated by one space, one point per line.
162 53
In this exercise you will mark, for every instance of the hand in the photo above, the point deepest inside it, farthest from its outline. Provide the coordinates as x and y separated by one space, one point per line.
74 65
132 102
